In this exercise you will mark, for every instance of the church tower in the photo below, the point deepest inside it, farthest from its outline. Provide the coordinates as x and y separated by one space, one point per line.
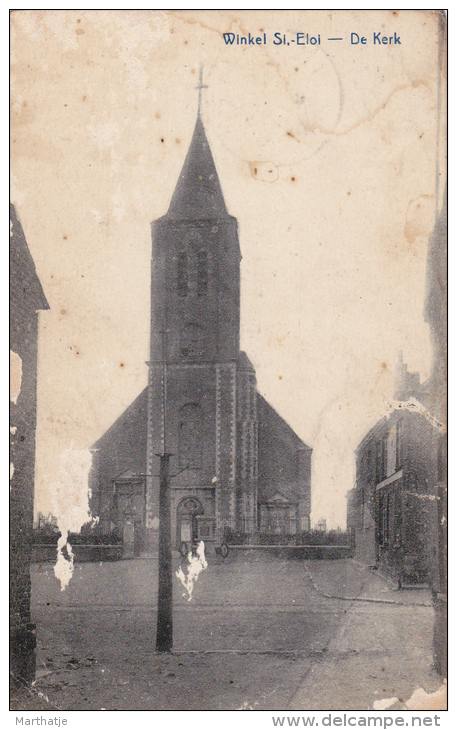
235 464
195 375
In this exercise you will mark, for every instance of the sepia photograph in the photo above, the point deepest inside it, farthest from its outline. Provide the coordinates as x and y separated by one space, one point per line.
228 363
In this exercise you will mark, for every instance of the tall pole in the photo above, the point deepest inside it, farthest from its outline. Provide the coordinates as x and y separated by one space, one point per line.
164 391
164 640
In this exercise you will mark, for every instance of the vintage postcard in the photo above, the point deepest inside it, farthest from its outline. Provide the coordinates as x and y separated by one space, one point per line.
228 361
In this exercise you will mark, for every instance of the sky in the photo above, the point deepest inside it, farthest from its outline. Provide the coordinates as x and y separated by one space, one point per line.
327 156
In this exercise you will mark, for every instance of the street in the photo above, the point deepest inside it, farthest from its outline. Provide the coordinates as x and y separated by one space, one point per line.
260 633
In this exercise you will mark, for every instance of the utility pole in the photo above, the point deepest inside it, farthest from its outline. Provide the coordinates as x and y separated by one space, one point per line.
164 640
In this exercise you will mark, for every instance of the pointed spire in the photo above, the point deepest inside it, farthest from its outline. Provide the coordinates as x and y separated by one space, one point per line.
198 193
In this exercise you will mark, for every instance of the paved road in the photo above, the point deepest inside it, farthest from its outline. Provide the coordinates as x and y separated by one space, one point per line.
259 633
260 604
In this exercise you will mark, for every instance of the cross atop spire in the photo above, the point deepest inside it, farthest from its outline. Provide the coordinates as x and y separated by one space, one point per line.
200 86
198 194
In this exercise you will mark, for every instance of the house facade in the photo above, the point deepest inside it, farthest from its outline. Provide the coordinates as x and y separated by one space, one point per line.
392 510
26 300
435 313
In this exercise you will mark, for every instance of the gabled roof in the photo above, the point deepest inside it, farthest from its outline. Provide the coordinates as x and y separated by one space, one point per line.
277 428
287 494
372 433
135 416
278 497
198 194
24 282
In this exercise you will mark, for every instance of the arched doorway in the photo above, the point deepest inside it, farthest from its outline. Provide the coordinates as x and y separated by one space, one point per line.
129 508
186 520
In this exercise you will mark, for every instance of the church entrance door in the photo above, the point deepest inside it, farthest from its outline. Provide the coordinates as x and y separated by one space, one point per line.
187 512
138 538
129 503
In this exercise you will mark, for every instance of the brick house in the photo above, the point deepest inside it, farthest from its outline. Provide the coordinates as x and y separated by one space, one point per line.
392 511
26 300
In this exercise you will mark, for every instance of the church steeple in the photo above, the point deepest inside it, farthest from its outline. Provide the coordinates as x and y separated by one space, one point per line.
198 193
195 275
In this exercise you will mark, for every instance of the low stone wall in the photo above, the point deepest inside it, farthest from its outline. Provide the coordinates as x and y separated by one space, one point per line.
47 553
302 552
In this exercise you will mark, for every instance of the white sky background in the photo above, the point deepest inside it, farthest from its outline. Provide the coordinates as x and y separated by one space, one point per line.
334 239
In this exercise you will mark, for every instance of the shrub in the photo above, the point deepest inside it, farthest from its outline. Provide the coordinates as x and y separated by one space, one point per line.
317 537
48 535
313 537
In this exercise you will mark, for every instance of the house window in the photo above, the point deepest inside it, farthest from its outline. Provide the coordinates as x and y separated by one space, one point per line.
182 275
384 520
378 466
202 273
255 448
384 456
398 444
397 526
441 460
190 435
292 521
361 508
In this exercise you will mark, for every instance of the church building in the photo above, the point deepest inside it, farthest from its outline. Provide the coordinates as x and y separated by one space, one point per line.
236 466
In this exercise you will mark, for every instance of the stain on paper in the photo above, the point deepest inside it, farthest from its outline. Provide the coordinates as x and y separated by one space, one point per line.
422 700
264 171
70 496
385 703
15 376
197 563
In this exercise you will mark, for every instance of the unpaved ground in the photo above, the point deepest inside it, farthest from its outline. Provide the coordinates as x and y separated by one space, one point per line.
260 633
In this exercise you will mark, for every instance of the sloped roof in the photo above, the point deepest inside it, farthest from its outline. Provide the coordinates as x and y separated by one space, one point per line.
279 472
276 426
288 493
198 193
244 362
133 416
24 282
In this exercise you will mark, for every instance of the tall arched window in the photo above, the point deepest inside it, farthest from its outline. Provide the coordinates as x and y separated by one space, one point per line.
202 273
190 434
193 341
182 274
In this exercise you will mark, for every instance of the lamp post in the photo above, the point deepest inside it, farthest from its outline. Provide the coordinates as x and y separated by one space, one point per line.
164 640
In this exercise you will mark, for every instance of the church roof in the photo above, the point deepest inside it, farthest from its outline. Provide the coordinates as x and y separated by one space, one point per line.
288 493
275 427
198 193
244 362
24 282
133 419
